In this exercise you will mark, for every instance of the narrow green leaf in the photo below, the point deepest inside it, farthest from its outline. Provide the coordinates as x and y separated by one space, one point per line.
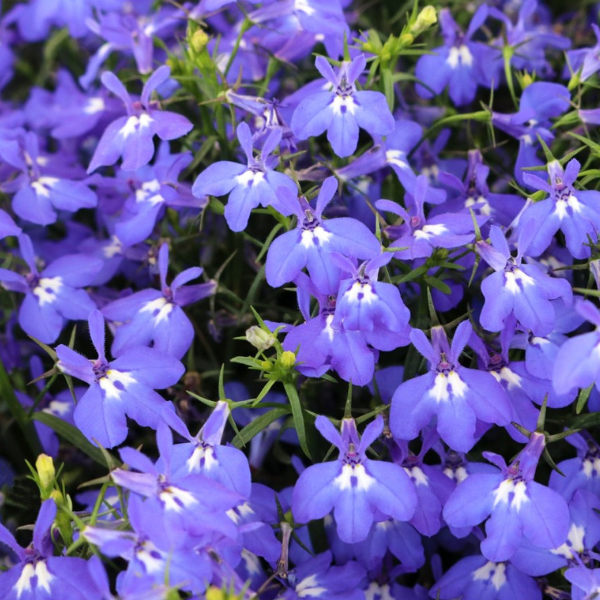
583 398
260 423
75 437
295 404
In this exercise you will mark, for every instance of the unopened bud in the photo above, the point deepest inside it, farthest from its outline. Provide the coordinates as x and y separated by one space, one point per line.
259 338
199 40
215 593
288 359
44 465
426 18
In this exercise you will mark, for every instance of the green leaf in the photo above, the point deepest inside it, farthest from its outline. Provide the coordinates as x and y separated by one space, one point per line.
388 87
438 284
583 421
593 146
292 394
74 436
260 423
583 398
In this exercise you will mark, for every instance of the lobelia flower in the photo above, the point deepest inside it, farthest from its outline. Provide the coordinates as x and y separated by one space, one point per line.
52 297
420 236
248 185
539 102
477 578
131 136
585 582
150 190
191 502
584 534
152 550
320 347
460 63
374 308
475 194
357 489
38 574
153 316
519 507
203 453
522 290
586 59
582 472
7 226
313 241
574 212
118 388
341 109
316 578
39 192
457 395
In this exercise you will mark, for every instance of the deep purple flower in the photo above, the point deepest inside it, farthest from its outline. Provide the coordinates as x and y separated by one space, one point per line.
119 388
341 109
131 136
457 395
248 185
356 488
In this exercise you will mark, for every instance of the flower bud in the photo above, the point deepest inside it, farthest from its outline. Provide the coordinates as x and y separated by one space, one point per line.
259 338
44 465
288 359
199 40
426 18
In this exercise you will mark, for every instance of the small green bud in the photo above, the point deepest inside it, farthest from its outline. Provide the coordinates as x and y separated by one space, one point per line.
426 18
44 465
199 40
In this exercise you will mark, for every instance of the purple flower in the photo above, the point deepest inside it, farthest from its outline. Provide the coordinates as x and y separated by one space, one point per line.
40 193
119 388
460 64
153 316
321 347
476 578
52 297
131 136
585 582
457 395
313 241
522 290
341 109
420 236
372 307
203 453
247 185
575 212
586 59
356 488
519 507
37 573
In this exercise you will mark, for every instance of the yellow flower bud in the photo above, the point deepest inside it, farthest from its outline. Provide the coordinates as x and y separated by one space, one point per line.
199 40
214 593
426 18
288 359
44 465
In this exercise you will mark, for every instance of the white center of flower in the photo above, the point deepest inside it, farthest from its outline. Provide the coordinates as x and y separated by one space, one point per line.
417 476
560 209
43 185
396 157
250 178
361 292
304 6
40 570
93 106
342 104
446 385
47 289
176 499
115 382
459 56
513 278
354 476
194 462
162 305
512 379
574 542
491 571
428 231
591 467
318 234
309 587
509 491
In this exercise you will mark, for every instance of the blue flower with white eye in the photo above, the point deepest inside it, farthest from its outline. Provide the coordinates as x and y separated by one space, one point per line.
458 396
341 109
519 506
356 488
248 185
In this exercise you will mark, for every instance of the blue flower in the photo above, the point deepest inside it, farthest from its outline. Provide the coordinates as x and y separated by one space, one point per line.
341 109
248 185
118 388
356 488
